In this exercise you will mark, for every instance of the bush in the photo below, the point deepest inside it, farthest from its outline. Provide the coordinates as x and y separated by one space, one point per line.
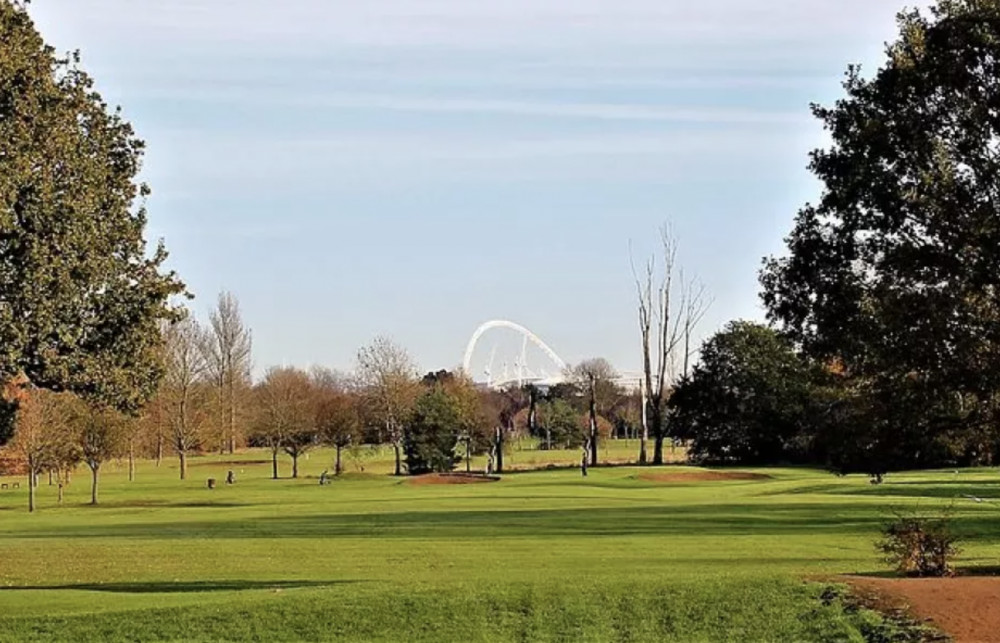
920 546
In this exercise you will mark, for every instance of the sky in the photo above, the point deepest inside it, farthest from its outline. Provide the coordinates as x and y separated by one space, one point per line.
413 168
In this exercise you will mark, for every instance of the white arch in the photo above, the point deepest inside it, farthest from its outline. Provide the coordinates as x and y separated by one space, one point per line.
500 323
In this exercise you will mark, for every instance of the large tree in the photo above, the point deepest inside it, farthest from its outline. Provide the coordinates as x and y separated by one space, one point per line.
432 433
338 419
895 272
670 308
83 298
746 401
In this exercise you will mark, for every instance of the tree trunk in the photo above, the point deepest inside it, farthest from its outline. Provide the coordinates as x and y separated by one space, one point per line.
159 449
337 468
60 496
645 426
31 490
184 464
499 461
232 418
50 477
468 455
274 464
295 465
658 437
93 484
131 460
593 424
399 461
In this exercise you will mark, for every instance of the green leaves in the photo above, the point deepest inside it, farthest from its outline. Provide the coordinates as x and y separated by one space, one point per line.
896 270
81 296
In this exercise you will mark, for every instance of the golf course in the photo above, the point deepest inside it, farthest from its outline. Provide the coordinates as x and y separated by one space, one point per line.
625 553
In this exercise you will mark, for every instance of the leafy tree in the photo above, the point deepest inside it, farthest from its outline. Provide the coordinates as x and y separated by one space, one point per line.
895 272
83 300
746 401
561 423
432 433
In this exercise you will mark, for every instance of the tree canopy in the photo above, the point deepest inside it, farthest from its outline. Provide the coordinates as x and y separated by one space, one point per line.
81 298
895 272
746 400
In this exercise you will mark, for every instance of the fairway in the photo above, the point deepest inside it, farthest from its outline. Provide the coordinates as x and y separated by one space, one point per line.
540 555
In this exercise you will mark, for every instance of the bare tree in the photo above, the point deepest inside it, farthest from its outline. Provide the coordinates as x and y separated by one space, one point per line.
389 377
228 345
38 428
101 434
183 387
670 309
284 416
338 419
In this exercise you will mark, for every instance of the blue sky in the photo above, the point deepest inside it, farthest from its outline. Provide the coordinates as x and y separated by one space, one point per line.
415 167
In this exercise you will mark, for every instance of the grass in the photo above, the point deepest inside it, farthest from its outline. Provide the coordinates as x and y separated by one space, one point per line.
545 555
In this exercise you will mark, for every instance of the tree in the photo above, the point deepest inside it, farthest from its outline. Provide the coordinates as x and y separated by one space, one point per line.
747 400
101 435
562 424
596 377
228 346
432 434
338 421
285 415
388 376
83 297
895 272
183 388
338 416
40 415
670 309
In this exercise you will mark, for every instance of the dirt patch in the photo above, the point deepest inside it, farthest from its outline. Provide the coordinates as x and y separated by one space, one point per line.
966 608
702 476
452 478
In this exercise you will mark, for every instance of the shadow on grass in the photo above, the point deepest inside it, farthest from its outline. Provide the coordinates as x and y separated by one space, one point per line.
959 490
165 504
180 587
688 520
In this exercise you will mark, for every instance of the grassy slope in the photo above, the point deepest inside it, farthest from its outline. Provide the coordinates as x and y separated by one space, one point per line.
545 555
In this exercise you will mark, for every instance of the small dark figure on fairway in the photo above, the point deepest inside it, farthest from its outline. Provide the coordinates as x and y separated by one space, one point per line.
584 458
323 478
491 457
230 478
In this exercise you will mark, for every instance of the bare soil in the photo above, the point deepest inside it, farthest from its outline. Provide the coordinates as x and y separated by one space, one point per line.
966 608
702 476
452 478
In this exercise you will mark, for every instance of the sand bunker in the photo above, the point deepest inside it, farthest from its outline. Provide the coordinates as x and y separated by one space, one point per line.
963 607
702 476
452 478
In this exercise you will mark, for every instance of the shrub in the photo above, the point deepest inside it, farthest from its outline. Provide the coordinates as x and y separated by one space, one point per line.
918 545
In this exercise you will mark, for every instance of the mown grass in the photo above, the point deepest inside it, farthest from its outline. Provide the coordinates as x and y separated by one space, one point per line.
538 556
